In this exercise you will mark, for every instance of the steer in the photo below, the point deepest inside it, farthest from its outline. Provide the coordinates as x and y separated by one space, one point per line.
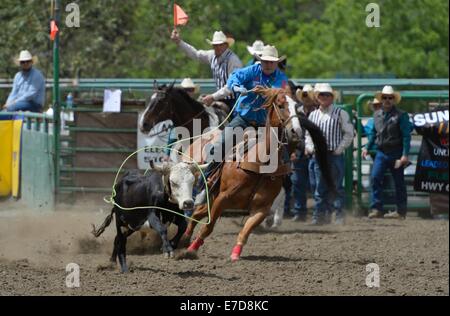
168 186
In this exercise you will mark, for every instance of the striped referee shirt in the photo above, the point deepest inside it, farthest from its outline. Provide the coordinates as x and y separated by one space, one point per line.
336 127
221 66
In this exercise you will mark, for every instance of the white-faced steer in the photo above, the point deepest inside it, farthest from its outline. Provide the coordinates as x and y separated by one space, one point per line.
168 186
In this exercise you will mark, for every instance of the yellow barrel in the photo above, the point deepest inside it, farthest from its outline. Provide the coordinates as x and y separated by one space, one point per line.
6 131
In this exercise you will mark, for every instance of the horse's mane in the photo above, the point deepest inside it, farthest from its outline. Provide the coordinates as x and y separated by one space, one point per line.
270 94
179 93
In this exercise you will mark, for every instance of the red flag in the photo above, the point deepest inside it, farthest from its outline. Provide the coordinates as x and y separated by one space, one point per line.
53 30
179 16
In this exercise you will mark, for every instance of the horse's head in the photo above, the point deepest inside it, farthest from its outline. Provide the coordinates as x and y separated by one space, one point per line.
158 109
281 114
275 104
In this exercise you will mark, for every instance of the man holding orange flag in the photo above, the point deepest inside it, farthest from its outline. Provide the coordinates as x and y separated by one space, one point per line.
220 58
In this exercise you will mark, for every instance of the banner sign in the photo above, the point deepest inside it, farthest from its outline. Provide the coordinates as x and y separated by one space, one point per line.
157 137
432 162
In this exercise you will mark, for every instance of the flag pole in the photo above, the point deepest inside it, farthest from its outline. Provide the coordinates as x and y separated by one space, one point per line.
56 99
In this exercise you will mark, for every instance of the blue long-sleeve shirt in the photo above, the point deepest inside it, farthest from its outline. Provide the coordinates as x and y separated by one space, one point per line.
405 128
250 77
28 86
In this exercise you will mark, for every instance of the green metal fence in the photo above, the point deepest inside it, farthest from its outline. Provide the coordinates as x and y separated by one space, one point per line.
66 169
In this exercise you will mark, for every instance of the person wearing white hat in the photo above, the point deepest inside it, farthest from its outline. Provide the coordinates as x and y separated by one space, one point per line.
391 133
28 92
338 131
248 111
190 87
220 58
255 49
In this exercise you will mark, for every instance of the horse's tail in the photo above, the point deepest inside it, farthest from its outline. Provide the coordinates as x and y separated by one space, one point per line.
321 150
106 223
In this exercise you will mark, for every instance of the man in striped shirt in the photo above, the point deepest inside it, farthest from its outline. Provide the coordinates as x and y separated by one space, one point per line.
338 131
221 60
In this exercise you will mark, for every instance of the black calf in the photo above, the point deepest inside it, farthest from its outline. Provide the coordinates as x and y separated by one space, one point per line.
136 190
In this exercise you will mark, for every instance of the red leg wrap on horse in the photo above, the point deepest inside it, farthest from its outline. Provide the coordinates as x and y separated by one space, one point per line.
196 244
236 251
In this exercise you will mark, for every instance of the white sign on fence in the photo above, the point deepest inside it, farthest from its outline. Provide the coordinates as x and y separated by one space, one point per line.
111 100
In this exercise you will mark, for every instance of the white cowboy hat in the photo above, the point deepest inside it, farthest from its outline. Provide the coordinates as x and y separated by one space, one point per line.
388 90
370 103
187 83
257 48
25 56
306 88
270 53
219 37
324 88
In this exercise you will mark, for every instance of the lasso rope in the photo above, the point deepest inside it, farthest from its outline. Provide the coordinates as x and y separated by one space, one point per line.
110 199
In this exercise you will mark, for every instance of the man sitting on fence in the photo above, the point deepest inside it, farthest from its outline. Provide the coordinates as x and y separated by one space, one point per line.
28 92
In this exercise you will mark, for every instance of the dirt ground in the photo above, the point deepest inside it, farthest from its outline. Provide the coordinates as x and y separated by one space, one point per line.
296 259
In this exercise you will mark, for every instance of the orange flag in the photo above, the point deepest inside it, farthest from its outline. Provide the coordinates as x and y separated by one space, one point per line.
179 16
53 30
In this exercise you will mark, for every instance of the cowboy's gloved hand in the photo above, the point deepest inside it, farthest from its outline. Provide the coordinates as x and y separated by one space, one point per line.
208 99
241 90
175 36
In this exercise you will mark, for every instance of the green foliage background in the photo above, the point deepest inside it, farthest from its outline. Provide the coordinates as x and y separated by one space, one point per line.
322 39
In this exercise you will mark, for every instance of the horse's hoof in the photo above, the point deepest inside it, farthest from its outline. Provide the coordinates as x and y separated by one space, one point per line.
234 257
171 254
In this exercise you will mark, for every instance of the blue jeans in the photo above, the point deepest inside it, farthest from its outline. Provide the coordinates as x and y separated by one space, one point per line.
325 204
25 106
381 163
300 181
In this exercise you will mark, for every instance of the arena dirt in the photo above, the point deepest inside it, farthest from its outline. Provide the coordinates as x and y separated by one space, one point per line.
296 259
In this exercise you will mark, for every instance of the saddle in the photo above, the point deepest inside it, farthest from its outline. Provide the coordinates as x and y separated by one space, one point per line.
250 150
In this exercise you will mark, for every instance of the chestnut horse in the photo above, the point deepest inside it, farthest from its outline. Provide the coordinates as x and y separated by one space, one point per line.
242 189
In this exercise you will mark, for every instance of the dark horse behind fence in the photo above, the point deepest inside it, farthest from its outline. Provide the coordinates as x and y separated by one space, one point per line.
172 103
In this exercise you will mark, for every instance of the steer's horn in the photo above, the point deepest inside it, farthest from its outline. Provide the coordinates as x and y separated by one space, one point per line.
164 168
195 168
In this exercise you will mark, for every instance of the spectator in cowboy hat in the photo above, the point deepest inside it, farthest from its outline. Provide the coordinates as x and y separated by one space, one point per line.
221 60
255 49
28 92
391 133
374 105
190 87
338 131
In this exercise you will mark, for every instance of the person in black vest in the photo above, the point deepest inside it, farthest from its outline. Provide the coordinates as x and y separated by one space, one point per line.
391 133
338 131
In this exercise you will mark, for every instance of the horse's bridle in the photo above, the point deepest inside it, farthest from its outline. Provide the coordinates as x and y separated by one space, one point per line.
283 124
